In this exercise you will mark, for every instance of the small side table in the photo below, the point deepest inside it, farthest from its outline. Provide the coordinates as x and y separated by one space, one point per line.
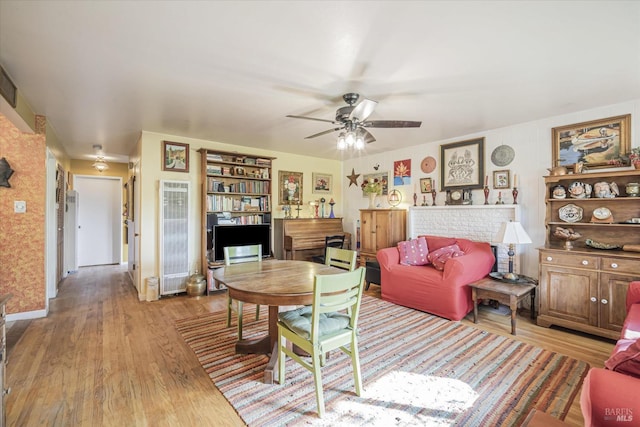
504 292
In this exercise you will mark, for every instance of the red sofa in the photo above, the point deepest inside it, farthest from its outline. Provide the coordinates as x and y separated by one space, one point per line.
611 398
443 293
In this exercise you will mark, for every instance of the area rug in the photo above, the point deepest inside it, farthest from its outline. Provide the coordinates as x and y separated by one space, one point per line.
417 369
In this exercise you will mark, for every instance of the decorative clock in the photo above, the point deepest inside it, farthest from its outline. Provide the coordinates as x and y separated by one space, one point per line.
459 196
602 215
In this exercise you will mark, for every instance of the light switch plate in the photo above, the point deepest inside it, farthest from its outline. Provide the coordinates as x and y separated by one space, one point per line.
19 206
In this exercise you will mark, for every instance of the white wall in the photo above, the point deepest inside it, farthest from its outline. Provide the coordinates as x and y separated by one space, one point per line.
532 144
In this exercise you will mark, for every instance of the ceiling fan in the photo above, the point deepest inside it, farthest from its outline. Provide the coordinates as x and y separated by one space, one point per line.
352 122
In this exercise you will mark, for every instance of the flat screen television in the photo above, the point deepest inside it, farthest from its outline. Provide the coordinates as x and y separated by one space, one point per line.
240 235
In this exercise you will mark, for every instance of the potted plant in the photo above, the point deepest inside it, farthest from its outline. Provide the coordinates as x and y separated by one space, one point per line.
372 187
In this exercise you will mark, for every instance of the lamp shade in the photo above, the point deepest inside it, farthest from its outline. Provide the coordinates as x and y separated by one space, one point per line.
394 198
512 233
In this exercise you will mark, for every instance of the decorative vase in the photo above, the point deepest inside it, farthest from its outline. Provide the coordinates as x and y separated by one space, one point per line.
196 285
372 200
636 165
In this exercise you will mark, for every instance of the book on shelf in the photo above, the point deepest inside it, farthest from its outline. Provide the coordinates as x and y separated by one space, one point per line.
214 157
263 162
214 170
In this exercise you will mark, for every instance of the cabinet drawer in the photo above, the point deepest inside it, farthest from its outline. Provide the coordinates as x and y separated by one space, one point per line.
620 265
569 260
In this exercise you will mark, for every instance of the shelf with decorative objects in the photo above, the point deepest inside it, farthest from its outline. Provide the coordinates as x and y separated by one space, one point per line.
236 192
592 250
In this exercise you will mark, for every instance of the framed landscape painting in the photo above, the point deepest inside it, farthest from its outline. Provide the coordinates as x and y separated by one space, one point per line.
175 156
597 144
462 164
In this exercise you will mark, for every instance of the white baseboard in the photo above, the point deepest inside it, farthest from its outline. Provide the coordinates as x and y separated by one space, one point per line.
36 314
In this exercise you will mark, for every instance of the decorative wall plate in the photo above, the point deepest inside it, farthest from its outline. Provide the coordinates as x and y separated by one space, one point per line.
570 213
502 155
428 164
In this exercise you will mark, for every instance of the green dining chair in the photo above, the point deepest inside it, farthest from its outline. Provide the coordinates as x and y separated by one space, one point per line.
341 258
323 326
236 255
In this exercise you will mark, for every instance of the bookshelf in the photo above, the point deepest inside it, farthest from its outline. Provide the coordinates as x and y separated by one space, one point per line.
236 191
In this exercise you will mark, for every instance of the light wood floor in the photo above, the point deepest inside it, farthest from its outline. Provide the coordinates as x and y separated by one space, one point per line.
101 357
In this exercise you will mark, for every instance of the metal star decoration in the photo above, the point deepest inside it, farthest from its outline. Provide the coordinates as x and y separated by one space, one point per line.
353 178
5 173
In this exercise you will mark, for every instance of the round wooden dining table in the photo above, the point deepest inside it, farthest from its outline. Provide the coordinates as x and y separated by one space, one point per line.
275 283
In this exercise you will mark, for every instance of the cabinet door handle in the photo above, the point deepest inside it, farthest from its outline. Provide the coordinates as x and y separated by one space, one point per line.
593 299
614 265
585 262
604 301
549 258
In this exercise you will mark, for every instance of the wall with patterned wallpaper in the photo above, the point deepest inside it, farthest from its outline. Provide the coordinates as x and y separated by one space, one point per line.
22 235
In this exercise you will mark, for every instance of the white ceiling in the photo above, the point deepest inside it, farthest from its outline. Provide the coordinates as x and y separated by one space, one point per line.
230 71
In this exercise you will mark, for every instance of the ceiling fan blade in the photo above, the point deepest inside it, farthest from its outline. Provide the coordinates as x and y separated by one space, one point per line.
363 110
310 118
323 133
368 137
391 124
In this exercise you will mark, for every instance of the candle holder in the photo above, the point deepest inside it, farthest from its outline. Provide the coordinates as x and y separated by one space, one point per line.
486 194
322 202
515 195
424 200
415 199
500 202
433 196
331 214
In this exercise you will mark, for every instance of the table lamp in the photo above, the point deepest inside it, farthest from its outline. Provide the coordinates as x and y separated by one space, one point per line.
395 197
511 233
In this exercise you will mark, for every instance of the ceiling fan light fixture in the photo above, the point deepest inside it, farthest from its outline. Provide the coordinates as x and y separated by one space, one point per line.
342 145
359 143
350 139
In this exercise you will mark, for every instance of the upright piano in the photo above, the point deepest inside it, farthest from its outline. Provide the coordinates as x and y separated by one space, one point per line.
302 238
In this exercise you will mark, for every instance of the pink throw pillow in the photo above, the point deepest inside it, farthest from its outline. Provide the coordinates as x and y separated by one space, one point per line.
440 256
414 252
626 361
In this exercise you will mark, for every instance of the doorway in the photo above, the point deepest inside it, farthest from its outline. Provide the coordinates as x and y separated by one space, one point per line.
99 220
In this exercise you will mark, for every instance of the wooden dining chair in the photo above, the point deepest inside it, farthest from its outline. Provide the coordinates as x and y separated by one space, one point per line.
342 258
336 241
323 326
236 255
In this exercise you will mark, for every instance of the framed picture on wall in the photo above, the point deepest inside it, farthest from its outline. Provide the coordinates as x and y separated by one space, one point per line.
289 188
322 183
426 185
597 144
175 156
501 179
462 164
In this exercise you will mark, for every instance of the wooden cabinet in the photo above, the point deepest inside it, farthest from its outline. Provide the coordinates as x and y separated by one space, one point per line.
379 229
236 190
585 288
